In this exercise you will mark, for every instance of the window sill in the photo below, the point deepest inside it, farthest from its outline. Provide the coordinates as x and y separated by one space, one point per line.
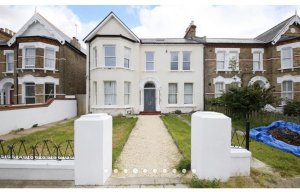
37 69
149 71
182 106
262 71
111 107
112 68
7 73
228 71
290 68
181 71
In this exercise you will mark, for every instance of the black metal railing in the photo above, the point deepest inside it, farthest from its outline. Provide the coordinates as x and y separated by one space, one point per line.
43 150
238 139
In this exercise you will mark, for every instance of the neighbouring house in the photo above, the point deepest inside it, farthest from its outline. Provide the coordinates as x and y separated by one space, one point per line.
40 62
270 59
127 74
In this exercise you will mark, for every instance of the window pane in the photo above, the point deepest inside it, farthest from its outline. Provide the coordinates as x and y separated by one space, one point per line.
188 93
186 56
10 61
29 93
49 91
172 93
126 93
174 65
186 66
174 56
95 56
220 56
109 92
149 66
110 51
110 61
149 56
126 57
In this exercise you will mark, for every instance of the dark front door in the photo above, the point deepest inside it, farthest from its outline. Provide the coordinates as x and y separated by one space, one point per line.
11 99
149 99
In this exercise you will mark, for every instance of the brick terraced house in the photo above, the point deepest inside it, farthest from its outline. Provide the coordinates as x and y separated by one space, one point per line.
270 59
40 62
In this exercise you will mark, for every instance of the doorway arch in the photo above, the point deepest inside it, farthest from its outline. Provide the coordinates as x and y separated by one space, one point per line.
152 87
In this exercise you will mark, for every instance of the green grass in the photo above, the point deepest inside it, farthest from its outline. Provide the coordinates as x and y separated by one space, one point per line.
202 183
284 163
61 132
181 134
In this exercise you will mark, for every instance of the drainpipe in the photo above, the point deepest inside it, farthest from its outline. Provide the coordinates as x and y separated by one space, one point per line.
203 76
89 84
17 75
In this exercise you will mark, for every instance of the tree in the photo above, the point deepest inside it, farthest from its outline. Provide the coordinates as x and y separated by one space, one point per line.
244 100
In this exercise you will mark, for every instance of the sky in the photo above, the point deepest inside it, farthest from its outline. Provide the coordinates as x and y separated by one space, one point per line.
156 21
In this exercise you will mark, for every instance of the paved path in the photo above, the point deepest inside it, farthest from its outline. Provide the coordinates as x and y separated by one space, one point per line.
149 151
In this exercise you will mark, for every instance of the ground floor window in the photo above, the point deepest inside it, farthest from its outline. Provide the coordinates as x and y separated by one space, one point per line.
188 93
110 96
172 99
29 93
126 93
49 91
287 91
219 89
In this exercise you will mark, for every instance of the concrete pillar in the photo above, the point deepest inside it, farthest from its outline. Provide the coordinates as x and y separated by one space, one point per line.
93 149
210 146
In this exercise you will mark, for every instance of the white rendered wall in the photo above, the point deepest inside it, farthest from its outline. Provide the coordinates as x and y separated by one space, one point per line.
210 146
93 149
36 169
26 118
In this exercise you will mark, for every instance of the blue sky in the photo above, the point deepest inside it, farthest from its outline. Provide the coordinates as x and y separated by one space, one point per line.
147 21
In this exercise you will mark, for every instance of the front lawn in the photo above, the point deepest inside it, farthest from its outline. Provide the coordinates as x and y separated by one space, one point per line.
284 163
62 132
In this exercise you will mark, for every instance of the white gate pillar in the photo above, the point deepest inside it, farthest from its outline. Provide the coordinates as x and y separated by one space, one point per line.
93 149
210 145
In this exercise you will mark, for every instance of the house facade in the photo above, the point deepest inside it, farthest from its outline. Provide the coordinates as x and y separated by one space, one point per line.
40 62
129 75
270 59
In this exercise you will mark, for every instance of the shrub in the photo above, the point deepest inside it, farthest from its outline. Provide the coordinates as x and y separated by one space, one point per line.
178 111
292 108
184 164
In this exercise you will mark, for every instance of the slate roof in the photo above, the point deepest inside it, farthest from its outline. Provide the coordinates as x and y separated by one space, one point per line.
232 40
168 41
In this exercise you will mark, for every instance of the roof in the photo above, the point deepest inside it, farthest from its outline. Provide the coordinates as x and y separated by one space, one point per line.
168 41
111 14
274 34
233 40
3 42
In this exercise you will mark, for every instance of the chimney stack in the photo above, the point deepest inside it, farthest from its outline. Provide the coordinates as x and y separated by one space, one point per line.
75 43
190 31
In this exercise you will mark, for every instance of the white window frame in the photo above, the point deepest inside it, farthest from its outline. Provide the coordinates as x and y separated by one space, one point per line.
25 92
31 57
127 54
95 95
188 94
149 61
174 61
173 93
186 61
110 56
291 58
127 94
7 53
283 93
52 65
114 94
217 92
260 62
223 61
95 61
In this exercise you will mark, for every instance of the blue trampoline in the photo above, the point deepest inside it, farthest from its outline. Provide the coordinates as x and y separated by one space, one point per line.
261 134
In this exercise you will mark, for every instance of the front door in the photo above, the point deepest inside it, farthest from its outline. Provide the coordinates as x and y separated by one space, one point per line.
149 99
11 97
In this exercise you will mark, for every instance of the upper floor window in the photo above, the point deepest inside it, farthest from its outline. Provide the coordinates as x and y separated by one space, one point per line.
186 63
286 58
174 61
188 93
227 59
219 89
29 57
150 61
127 52
110 55
49 58
9 62
221 60
287 90
257 61
95 56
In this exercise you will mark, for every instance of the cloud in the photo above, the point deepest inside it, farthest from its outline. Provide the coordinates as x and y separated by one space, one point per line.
235 21
14 17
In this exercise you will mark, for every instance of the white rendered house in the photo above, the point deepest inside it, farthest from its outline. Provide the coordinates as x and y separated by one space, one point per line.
126 74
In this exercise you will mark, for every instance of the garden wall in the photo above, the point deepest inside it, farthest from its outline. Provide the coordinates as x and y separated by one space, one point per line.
17 117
